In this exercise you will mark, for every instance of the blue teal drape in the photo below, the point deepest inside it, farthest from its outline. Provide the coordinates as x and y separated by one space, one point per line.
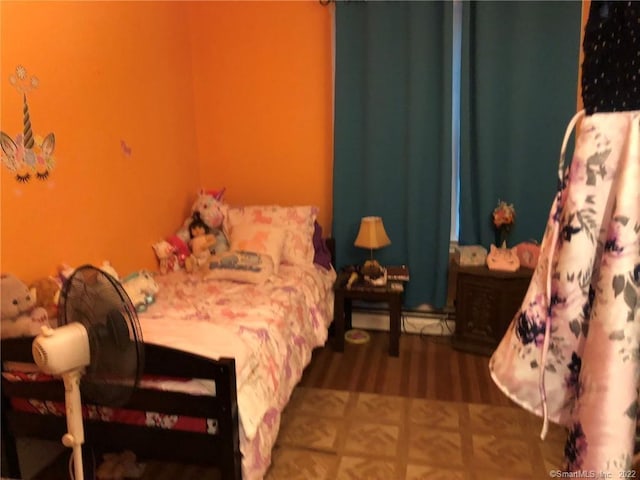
518 92
393 137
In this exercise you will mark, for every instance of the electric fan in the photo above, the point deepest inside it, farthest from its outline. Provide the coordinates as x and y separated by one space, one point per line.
99 339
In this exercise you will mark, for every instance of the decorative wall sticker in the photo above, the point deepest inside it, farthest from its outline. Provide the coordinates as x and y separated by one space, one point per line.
126 149
28 154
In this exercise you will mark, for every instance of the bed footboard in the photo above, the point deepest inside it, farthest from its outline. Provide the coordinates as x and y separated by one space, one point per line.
220 449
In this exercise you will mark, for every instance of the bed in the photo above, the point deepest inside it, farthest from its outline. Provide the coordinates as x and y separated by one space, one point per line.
222 359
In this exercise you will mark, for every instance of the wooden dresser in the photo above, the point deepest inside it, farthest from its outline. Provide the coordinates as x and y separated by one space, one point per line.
486 302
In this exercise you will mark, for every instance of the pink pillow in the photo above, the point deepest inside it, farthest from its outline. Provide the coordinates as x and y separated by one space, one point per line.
259 238
298 223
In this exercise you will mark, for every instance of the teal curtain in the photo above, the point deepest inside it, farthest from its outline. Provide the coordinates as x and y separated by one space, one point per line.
519 83
393 137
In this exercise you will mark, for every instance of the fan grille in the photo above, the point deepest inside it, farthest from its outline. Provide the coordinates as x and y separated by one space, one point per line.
99 302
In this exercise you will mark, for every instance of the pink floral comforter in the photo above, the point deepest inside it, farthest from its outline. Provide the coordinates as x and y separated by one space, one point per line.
270 329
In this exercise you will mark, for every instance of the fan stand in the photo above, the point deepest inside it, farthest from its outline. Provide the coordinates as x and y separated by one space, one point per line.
74 438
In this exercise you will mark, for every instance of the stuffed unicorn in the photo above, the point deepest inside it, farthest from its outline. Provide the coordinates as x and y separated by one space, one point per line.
209 208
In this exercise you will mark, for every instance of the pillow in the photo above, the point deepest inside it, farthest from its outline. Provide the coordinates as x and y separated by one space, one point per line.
322 255
298 222
244 267
259 238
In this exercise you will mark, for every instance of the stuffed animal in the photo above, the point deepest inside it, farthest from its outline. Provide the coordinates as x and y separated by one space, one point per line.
503 259
108 268
64 272
204 242
141 288
200 243
181 247
210 209
117 466
528 254
167 256
47 295
19 315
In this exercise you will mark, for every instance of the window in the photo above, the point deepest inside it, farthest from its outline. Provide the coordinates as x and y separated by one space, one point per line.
456 66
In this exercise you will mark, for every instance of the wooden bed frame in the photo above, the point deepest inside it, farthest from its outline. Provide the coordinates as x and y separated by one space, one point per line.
221 449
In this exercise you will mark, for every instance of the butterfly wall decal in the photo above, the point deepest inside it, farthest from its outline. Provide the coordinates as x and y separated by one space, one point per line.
126 149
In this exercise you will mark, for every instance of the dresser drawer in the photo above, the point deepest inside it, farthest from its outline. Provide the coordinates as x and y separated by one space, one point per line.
486 302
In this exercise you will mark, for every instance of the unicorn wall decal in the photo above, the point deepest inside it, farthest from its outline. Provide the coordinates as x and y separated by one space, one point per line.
28 154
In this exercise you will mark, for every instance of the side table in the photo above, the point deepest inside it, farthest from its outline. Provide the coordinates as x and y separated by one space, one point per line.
486 302
391 294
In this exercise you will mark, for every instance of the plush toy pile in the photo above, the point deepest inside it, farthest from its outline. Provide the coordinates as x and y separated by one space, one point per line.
47 294
201 235
20 316
25 309
117 466
140 286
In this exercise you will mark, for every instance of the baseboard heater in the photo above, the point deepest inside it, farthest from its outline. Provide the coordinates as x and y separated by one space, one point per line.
423 323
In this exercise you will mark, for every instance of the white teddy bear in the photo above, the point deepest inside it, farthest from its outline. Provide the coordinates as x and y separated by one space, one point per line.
19 316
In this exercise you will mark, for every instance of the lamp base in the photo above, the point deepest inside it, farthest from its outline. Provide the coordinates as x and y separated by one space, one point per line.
356 336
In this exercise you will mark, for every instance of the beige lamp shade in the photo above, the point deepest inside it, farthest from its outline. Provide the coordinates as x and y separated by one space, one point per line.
372 234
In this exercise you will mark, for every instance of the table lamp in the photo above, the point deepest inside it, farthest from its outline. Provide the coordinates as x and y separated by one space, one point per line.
372 235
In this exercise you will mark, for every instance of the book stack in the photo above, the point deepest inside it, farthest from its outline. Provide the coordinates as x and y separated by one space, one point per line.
398 273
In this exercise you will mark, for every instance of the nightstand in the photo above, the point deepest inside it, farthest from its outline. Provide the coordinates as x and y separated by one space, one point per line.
391 294
486 302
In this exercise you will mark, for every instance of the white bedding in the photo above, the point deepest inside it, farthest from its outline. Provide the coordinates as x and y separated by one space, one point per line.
270 330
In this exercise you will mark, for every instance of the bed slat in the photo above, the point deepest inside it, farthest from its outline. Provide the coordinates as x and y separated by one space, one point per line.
221 449
174 403
147 442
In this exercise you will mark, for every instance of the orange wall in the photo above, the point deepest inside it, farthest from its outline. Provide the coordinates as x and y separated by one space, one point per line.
108 71
263 84
233 94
